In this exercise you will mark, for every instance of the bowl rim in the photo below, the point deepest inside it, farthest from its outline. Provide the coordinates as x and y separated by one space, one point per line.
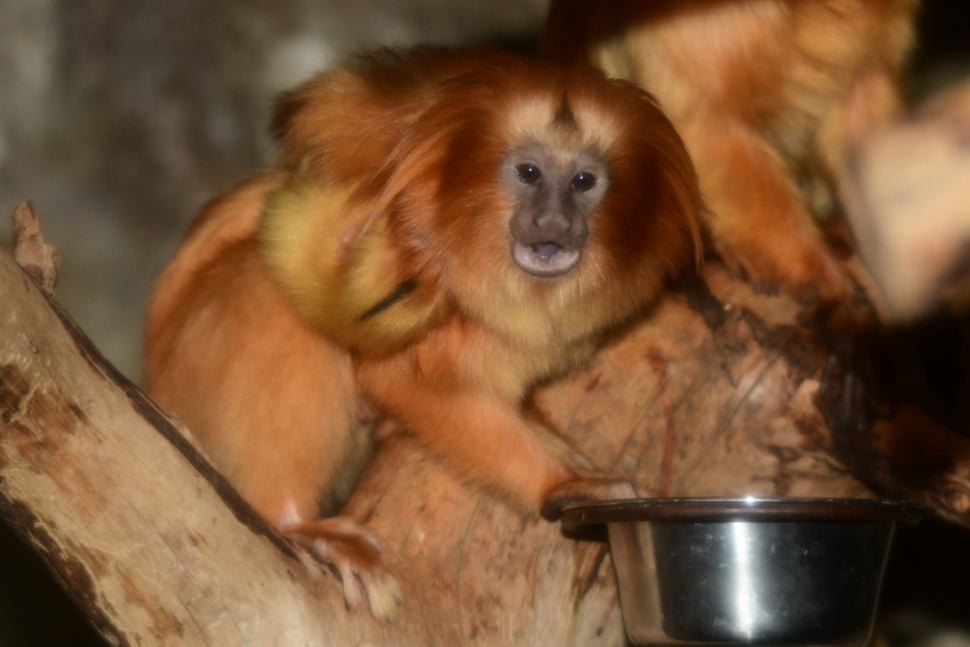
726 509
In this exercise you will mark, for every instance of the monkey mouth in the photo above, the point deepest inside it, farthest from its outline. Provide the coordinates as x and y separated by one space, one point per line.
544 259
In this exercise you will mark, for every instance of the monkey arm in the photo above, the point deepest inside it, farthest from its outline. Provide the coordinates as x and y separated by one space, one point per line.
486 439
760 226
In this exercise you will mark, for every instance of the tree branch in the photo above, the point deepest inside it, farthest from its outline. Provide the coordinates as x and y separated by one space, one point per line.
719 391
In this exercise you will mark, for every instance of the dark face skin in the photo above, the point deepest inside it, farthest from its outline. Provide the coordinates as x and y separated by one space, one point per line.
554 193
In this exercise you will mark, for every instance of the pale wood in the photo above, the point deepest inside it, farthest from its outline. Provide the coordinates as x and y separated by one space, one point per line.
153 544
908 200
712 393
40 260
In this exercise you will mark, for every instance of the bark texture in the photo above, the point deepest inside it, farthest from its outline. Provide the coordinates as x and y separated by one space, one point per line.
718 391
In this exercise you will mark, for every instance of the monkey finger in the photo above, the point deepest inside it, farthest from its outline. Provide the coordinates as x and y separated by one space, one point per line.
585 489
357 538
325 552
348 529
767 289
383 593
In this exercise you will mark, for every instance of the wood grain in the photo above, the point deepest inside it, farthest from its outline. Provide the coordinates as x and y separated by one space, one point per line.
716 391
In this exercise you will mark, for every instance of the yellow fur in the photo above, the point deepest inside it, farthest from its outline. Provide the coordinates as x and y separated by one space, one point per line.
337 263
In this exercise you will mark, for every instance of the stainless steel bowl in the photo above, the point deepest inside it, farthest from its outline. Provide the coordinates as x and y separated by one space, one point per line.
747 571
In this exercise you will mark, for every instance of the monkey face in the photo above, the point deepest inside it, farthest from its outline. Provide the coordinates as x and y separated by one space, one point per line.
541 202
554 194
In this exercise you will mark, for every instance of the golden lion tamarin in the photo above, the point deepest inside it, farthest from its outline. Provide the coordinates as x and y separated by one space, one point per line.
443 230
768 95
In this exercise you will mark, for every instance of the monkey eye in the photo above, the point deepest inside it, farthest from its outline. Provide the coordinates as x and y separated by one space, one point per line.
584 181
528 173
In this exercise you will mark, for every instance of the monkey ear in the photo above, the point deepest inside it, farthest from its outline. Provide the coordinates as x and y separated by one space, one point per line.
346 271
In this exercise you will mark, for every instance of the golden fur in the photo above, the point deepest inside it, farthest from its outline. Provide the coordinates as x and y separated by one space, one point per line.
767 94
372 265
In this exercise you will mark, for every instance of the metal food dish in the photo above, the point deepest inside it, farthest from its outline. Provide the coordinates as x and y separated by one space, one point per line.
747 571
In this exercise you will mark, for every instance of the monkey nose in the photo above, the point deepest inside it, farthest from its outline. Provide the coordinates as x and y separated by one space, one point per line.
552 223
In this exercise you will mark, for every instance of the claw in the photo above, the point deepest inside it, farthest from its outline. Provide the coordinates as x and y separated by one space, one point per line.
767 289
585 489
383 594
352 550
806 270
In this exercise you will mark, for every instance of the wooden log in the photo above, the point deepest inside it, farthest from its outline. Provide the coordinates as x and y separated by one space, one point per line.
717 391
153 544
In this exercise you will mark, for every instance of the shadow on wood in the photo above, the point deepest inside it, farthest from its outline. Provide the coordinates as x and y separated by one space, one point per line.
719 391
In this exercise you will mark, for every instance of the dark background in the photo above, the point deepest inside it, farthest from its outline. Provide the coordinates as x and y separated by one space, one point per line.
120 118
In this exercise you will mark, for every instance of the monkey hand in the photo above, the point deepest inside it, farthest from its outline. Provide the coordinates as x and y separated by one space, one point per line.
805 267
585 489
354 551
811 273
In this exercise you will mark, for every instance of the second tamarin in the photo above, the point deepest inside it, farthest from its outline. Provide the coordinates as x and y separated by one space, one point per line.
770 97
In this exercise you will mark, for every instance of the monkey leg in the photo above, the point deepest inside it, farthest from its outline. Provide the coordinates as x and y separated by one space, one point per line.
273 404
758 222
